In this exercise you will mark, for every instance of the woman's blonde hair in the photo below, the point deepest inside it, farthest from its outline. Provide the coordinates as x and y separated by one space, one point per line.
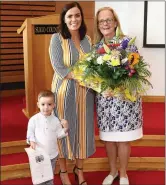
98 34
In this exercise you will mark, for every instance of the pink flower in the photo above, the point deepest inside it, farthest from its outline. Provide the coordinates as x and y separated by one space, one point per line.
132 71
130 74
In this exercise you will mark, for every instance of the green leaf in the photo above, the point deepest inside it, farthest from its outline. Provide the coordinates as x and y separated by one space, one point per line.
131 41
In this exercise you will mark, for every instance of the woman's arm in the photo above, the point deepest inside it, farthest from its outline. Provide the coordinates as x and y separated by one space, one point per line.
56 57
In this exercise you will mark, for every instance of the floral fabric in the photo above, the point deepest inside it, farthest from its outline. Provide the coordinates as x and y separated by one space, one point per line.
116 115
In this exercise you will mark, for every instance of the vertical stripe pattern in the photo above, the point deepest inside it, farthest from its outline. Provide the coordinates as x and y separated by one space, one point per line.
71 99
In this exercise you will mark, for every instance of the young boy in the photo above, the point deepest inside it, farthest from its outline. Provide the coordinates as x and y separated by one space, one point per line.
44 128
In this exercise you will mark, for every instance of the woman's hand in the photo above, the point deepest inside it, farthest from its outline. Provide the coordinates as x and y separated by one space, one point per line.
70 76
107 93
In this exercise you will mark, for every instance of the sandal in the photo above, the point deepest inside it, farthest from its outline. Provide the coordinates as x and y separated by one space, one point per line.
60 176
76 175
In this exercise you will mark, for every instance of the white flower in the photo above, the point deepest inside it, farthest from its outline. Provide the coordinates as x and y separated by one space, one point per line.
100 60
89 59
124 60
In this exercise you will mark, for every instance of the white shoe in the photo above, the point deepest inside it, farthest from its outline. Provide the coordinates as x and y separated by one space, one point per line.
109 179
124 181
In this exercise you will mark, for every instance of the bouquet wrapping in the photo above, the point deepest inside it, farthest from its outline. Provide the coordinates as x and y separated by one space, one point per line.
116 67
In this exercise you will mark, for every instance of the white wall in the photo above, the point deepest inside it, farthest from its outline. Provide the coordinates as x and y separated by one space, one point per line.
131 15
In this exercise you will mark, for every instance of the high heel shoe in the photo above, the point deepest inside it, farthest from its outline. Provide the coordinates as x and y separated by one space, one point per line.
60 176
76 175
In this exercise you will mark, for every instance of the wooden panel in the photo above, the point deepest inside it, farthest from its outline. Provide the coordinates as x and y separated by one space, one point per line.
15 50
12 15
10 29
90 31
16 40
12 34
13 78
11 73
29 79
153 98
12 67
135 163
11 56
17 92
25 13
11 23
11 45
14 18
14 147
25 7
7 62
29 3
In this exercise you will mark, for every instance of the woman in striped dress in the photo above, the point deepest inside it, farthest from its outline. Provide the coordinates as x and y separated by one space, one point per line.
74 103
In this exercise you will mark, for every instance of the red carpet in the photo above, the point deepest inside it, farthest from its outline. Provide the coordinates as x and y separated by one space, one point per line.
13 119
96 178
19 158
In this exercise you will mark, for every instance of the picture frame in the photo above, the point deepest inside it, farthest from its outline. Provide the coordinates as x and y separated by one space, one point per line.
154 25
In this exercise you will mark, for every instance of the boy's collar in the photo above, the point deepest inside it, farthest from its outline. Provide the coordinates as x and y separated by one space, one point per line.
46 116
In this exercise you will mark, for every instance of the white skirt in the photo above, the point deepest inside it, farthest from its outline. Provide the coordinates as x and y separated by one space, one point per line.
121 136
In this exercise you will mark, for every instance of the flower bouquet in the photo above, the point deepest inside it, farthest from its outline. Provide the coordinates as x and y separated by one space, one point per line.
117 67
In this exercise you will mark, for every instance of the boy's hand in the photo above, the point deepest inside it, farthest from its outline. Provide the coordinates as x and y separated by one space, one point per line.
32 145
64 123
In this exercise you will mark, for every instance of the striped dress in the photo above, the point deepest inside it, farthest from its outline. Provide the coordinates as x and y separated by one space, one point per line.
73 102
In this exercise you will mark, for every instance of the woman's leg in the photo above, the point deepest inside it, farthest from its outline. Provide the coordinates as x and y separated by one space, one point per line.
79 171
124 155
112 154
63 171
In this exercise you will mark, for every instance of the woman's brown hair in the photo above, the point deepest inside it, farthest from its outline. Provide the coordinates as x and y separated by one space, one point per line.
63 27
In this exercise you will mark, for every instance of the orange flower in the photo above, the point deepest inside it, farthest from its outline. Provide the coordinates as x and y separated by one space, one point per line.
133 59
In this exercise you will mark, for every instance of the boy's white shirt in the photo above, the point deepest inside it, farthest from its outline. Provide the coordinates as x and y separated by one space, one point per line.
44 131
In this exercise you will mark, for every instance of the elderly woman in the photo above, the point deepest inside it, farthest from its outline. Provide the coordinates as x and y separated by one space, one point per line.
119 121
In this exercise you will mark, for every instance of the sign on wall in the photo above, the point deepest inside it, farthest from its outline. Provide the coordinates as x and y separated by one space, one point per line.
45 29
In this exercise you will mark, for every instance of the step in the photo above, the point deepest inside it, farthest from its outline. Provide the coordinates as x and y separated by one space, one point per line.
96 178
142 158
153 114
19 158
147 140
